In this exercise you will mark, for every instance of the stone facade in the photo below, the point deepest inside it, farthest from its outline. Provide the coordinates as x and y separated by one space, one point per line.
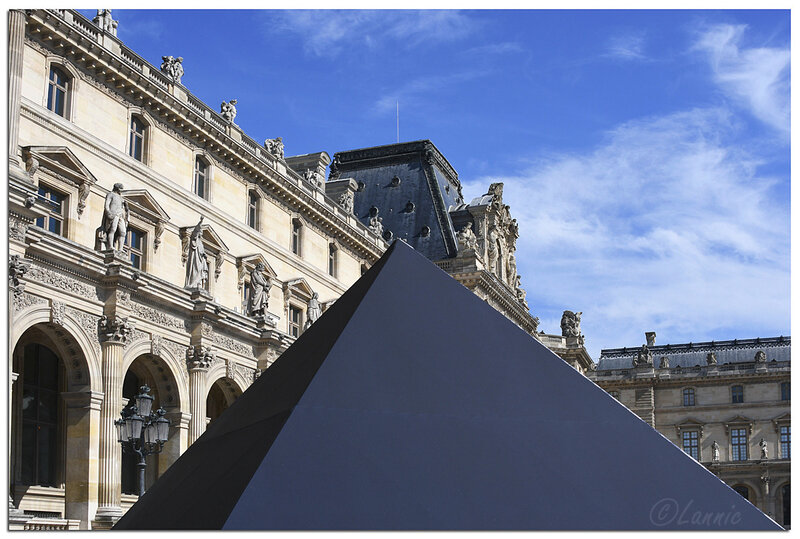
718 401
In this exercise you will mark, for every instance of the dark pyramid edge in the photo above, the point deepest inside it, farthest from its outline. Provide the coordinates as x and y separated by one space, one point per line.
242 435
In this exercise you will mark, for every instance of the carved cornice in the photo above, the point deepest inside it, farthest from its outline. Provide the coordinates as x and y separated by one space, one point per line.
115 329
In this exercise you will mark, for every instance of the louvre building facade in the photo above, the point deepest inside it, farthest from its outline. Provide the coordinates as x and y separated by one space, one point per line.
152 242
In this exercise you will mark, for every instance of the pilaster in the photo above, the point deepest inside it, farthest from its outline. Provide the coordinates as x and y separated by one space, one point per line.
16 47
83 417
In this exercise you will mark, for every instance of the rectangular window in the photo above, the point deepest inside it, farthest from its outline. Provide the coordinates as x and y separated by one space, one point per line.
200 178
688 396
135 240
136 143
690 444
786 442
295 321
296 237
57 91
54 222
252 210
738 444
332 260
785 388
737 394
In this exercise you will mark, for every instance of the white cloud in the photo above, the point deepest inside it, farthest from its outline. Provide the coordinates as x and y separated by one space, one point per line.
756 77
627 47
411 93
330 33
663 227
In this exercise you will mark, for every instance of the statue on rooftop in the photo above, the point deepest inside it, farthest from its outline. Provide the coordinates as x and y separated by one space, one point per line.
663 363
346 201
466 237
571 324
274 146
761 357
313 177
197 262
643 357
172 67
376 225
114 227
711 358
259 291
228 110
104 21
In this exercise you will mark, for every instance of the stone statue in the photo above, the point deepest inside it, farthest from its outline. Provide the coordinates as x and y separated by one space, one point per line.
259 291
228 110
346 201
644 357
650 336
114 227
512 265
466 237
715 451
571 324
104 21
313 177
313 310
492 247
376 225
763 445
711 358
172 67
274 146
663 363
197 262
761 357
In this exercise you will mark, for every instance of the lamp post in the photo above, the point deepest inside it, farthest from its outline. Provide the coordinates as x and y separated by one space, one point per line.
142 432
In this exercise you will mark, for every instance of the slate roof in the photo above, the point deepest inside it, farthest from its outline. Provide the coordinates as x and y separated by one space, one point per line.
432 194
392 413
692 354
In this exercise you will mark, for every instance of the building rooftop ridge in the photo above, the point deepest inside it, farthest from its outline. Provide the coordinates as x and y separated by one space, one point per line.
683 347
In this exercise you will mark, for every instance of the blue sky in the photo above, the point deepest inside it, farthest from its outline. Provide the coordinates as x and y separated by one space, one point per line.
645 154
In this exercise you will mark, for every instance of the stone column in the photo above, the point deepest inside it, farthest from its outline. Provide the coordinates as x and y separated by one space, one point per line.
109 488
16 46
83 420
198 360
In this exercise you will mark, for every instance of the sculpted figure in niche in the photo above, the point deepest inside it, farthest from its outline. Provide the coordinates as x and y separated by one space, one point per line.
274 146
313 177
715 451
466 237
260 283
711 358
763 445
115 220
346 201
228 110
761 357
512 264
313 310
197 262
644 357
492 247
663 363
571 324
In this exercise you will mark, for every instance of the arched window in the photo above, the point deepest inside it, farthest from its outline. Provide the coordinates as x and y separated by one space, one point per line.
787 505
332 260
201 170
743 490
136 138
130 481
40 417
58 91
688 396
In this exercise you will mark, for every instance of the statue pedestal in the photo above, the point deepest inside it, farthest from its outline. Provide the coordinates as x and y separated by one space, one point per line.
644 371
200 294
112 256
266 321
712 370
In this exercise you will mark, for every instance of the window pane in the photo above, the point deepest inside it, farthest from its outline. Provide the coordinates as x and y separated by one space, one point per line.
59 104
28 453
136 261
55 226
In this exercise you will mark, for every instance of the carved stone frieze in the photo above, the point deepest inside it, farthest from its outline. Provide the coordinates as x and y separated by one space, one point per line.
25 300
136 335
233 345
57 312
17 226
155 345
177 350
156 316
199 357
88 323
62 282
114 329
17 267
123 298
207 330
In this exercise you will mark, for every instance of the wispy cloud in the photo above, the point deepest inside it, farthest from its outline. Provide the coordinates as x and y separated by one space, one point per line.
663 227
755 77
330 33
413 92
627 47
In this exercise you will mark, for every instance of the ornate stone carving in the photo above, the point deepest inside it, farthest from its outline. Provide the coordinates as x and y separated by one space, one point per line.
711 358
196 260
88 323
663 363
114 329
57 312
571 324
156 316
314 178
260 284
172 68
175 349
199 357
644 357
135 336
650 336
104 21
333 174
466 238
764 451
155 345
313 310
17 267
275 147
760 357
228 110
25 300
346 200
206 330
715 451
376 225
233 345
31 164
62 282
157 239
17 227
492 248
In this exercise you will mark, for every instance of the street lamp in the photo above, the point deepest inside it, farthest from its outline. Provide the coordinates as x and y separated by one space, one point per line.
142 432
